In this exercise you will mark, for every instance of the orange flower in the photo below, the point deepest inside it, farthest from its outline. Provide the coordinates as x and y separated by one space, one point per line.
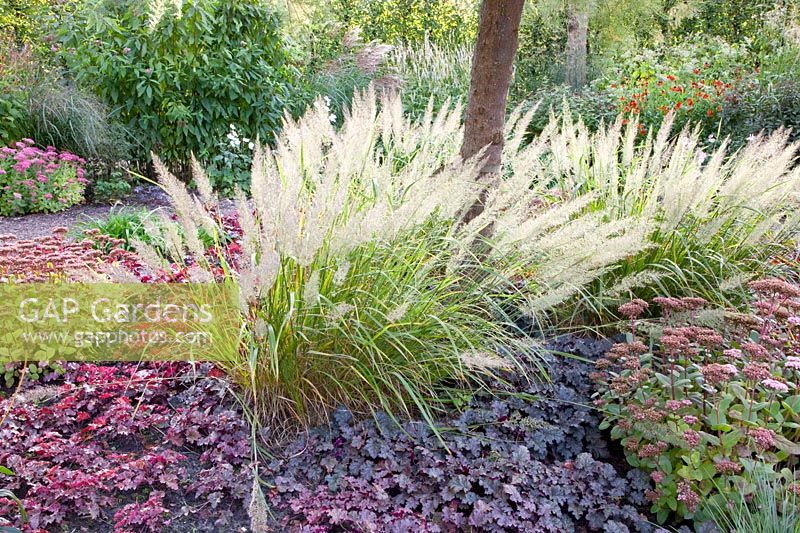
690 102
710 113
678 105
697 71
670 77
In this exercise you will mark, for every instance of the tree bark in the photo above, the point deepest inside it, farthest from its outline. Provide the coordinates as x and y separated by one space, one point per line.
577 39
492 67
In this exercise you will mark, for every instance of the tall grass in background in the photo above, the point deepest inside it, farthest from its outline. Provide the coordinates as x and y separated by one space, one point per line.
358 283
714 220
37 102
428 71
72 119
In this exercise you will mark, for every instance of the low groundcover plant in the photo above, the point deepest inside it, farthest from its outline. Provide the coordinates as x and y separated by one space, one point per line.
34 180
705 409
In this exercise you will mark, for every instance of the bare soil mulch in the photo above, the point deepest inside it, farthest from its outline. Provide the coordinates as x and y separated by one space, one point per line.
41 224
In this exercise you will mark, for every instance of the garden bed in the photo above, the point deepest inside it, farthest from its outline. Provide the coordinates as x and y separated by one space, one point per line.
163 447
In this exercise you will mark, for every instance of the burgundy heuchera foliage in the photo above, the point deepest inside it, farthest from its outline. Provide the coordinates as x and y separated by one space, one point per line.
138 446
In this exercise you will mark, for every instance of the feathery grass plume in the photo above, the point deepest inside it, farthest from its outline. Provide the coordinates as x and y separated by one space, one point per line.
149 255
359 284
257 510
708 217
428 73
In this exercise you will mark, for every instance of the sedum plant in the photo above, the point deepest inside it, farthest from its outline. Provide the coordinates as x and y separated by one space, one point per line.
39 181
714 219
359 285
707 401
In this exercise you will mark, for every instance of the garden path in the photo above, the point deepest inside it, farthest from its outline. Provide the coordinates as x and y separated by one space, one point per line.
41 224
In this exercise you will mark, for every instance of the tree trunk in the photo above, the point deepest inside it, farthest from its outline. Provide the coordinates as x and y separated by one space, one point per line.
492 67
577 38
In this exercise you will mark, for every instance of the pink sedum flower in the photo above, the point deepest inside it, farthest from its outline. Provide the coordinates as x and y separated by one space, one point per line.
775 385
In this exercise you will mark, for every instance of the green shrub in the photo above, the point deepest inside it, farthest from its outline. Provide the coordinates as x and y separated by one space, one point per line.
17 72
39 181
409 21
179 80
359 284
22 20
540 57
109 187
710 400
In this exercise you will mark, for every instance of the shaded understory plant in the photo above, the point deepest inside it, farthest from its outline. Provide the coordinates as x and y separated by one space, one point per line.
528 458
710 225
359 286
712 399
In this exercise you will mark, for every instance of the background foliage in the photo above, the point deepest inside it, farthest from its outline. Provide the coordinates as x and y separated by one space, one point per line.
178 84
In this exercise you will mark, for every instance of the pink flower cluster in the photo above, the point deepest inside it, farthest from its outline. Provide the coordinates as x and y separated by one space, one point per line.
52 257
36 180
694 385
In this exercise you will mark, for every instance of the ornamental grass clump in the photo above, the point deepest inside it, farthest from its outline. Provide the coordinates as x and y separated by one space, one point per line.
772 507
428 71
710 399
358 283
714 220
